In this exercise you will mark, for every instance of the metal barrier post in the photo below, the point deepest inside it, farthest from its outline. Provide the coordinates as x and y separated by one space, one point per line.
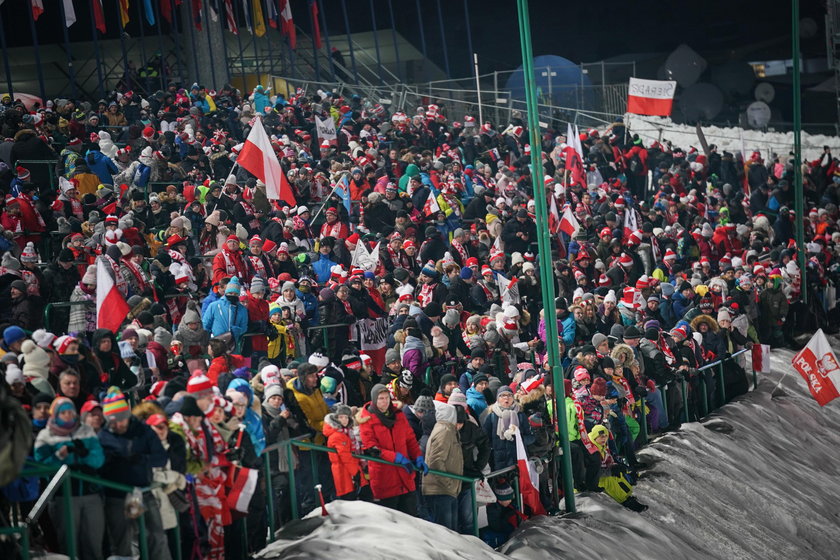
290 455
313 462
269 491
705 394
69 523
685 400
474 508
141 537
755 379
663 392
721 388
643 421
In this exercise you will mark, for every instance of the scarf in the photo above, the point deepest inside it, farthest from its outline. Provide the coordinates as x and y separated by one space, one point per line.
331 230
138 274
119 281
507 417
388 418
462 252
234 266
669 356
426 294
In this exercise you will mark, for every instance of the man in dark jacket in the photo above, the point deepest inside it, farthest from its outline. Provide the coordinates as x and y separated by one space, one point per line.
131 450
104 344
657 368
518 234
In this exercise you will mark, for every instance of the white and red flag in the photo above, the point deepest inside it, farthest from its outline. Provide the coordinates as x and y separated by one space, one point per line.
568 223
818 365
258 157
111 308
243 488
431 207
529 480
761 358
287 25
651 97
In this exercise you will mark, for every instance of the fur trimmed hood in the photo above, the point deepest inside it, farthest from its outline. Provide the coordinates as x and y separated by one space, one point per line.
701 319
623 354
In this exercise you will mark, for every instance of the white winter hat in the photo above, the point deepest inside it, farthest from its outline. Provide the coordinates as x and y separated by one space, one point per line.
610 297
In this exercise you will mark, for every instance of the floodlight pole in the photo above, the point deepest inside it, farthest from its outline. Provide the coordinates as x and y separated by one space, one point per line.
544 244
798 189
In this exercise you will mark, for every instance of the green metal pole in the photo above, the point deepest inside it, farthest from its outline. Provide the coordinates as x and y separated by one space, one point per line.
799 202
544 244
664 392
269 492
474 504
721 387
685 400
69 524
143 541
643 421
705 394
290 456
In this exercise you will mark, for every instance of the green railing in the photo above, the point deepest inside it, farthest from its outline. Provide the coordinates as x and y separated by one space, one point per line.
67 476
58 305
707 407
302 442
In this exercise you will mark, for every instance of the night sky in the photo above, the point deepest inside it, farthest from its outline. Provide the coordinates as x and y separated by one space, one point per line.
579 31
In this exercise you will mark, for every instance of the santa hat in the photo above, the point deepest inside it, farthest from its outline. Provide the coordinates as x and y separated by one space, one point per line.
669 254
148 133
625 260
635 238
485 270
643 283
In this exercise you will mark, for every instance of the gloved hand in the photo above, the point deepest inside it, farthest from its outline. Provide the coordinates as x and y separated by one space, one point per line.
640 391
372 452
404 462
421 465
80 449
508 434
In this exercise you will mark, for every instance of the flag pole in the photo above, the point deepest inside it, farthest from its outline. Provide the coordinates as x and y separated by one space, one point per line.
70 70
37 51
6 58
478 89
799 202
546 269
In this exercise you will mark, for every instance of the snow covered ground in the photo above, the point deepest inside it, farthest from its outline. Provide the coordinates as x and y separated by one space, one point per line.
729 139
758 479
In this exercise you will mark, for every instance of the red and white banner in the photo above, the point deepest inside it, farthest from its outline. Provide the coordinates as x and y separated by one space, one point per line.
326 130
111 308
651 97
761 358
372 335
529 480
568 223
818 365
258 157
431 207
244 486
631 223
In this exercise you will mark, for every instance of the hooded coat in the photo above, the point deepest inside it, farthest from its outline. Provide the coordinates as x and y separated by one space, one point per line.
444 453
346 469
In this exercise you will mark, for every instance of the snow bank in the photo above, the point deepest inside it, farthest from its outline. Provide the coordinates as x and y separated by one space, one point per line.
729 139
758 479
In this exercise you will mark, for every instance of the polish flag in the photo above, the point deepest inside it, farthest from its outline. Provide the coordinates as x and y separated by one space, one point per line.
529 480
818 364
111 308
243 488
287 25
568 223
553 216
316 27
258 157
651 97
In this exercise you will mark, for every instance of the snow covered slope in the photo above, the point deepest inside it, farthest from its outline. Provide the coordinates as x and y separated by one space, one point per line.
759 479
729 139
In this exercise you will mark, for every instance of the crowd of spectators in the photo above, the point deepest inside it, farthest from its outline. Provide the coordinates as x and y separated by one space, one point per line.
393 311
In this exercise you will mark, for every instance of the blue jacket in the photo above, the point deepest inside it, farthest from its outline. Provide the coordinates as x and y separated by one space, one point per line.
569 329
680 305
102 166
322 268
476 401
253 423
224 317
211 297
310 304
130 457
261 101
504 451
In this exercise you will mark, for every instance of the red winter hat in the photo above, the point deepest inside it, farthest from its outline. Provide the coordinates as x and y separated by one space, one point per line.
199 384
22 173
625 260
598 387
670 254
268 245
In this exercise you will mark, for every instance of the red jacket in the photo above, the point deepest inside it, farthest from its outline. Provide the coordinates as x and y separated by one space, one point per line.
344 466
220 365
257 311
387 481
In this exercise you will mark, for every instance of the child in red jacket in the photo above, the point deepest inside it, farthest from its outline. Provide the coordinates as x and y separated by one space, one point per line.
349 477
